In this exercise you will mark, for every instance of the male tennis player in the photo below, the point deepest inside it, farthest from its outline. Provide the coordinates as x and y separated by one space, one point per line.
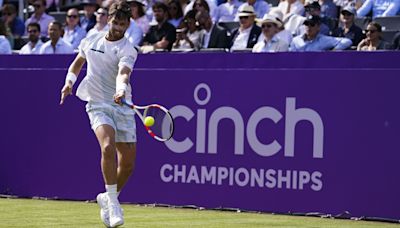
110 60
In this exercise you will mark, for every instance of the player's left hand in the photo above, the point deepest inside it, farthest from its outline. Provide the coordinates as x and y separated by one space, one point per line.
118 97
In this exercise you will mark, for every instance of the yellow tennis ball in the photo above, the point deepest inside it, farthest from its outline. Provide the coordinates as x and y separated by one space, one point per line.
149 121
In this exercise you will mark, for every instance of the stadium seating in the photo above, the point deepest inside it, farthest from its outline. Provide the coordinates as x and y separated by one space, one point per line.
59 16
388 35
362 22
230 26
389 23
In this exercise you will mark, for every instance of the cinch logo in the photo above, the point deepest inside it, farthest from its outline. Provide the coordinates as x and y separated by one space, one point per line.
292 117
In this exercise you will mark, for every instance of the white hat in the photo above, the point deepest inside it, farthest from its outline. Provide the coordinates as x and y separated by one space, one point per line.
277 13
246 11
269 18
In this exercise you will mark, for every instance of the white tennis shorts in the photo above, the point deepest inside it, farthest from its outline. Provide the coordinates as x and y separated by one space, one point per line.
121 118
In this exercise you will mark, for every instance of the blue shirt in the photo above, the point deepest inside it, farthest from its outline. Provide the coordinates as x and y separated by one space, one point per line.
320 43
380 8
74 36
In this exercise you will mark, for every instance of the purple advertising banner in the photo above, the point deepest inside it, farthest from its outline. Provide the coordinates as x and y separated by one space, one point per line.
284 132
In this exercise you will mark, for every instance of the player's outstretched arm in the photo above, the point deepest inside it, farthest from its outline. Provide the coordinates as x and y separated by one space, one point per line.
122 82
71 77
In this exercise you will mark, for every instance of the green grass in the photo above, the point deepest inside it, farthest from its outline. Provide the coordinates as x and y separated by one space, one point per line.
49 213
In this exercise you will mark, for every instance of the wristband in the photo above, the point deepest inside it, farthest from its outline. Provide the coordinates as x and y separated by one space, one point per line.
121 86
71 77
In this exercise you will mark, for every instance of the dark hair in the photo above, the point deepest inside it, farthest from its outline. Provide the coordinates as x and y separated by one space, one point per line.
9 8
179 12
191 14
34 24
60 26
121 10
202 3
140 7
160 5
376 25
3 30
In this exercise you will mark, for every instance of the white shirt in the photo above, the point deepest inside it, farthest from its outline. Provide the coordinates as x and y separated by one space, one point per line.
74 36
143 23
273 45
194 37
206 37
134 33
5 47
28 50
104 59
284 35
62 47
296 8
241 40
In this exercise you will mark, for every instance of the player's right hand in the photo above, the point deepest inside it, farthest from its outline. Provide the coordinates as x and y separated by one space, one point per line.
66 90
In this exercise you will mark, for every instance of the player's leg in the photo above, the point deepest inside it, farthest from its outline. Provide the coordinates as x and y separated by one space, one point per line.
106 136
126 162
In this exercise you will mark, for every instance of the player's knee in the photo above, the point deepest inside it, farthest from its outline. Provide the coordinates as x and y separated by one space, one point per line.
108 150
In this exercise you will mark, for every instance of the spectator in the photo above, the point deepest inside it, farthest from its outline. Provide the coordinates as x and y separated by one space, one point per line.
328 9
247 34
271 42
40 17
56 45
396 41
88 19
5 47
139 15
227 11
291 7
213 35
373 41
312 40
134 33
283 33
52 5
175 12
379 8
163 34
261 7
347 26
314 9
188 36
12 21
203 5
73 33
101 22
34 44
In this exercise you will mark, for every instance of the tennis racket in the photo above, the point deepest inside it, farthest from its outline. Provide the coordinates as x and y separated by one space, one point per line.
163 127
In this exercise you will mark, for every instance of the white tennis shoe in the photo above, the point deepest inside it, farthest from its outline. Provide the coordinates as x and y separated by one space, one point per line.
102 201
115 215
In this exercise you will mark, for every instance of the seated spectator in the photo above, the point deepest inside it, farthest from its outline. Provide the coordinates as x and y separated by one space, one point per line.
289 8
312 40
379 8
88 19
56 45
347 26
396 41
163 34
314 9
261 8
202 5
175 13
5 47
271 42
227 11
34 44
73 33
213 35
188 36
373 41
12 21
247 34
139 14
101 22
40 17
134 33
283 33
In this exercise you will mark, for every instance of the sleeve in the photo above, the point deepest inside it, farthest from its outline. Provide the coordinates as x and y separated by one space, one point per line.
83 47
365 8
171 35
393 9
5 47
339 43
127 56
292 46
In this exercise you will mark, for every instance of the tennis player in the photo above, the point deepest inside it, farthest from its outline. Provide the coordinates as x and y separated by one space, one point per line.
110 59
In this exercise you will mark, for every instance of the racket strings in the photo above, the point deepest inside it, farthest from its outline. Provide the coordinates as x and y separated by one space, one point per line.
163 124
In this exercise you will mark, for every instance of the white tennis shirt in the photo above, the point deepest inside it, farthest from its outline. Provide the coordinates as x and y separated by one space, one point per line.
104 59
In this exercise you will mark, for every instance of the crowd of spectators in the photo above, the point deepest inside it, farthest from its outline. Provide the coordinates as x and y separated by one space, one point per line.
59 26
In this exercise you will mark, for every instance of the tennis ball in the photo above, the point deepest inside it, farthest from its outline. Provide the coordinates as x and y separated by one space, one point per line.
149 121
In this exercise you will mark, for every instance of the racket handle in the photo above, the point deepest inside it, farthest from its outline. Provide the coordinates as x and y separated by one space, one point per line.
125 103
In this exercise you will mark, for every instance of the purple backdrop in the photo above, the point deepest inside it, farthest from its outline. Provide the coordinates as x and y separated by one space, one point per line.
299 132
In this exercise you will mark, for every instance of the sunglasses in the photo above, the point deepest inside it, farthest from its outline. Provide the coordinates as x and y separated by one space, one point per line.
72 16
370 31
266 25
310 24
346 14
37 5
7 14
244 17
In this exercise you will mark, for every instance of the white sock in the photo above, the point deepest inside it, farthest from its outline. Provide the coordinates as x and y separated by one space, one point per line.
112 193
